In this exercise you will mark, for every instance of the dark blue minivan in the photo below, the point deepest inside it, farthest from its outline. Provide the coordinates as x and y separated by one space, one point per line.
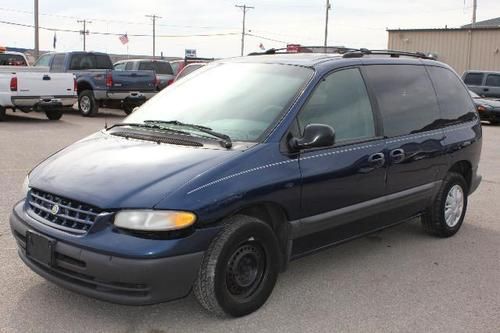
215 184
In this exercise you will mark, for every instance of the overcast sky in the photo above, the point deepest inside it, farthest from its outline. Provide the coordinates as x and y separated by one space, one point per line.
359 23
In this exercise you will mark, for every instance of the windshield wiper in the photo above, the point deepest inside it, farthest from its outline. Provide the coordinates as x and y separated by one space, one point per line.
149 126
224 139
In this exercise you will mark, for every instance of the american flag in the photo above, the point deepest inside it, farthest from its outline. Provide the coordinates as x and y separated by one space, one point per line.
124 39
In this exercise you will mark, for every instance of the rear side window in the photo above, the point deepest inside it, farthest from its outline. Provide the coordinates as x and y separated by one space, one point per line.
341 101
103 62
474 79
82 62
493 80
454 100
12 60
163 68
406 98
58 63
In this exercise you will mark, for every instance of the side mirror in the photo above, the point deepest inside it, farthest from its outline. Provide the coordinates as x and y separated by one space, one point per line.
315 136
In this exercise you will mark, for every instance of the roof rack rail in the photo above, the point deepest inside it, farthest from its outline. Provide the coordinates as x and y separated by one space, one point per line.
296 48
393 53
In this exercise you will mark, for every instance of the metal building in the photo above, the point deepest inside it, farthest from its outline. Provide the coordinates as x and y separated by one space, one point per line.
464 48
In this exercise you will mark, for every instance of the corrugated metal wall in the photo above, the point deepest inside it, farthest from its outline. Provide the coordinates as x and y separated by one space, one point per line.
461 49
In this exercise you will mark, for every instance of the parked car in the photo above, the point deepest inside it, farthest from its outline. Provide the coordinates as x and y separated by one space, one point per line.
188 70
27 89
98 84
8 58
278 156
164 72
178 65
488 109
483 83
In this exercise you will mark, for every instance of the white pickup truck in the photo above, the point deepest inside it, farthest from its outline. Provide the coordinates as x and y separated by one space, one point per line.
29 89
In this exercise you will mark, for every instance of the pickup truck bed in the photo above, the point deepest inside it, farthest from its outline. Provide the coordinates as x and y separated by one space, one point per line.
35 89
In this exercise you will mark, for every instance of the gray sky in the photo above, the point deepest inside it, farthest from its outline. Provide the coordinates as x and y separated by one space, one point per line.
359 23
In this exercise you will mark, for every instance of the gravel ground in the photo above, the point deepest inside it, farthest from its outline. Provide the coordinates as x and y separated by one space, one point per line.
399 280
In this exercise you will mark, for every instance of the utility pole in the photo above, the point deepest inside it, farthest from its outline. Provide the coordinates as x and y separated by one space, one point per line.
37 40
84 32
328 7
474 11
244 8
153 18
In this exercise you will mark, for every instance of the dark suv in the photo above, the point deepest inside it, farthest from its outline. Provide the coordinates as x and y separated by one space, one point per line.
278 156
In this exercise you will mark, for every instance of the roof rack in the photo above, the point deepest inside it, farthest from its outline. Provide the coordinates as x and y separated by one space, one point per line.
393 53
296 48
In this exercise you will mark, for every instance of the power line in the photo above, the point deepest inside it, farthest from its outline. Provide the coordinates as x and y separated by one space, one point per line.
119 34
244 8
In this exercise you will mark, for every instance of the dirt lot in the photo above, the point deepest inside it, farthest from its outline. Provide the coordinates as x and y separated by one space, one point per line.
400 280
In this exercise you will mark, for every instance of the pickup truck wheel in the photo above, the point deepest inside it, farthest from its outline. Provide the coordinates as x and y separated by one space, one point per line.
54 114
446 214
128 108
239 269
87 104
2 113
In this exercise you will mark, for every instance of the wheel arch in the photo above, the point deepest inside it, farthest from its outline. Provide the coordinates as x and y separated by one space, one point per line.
276 217
463 168
83 85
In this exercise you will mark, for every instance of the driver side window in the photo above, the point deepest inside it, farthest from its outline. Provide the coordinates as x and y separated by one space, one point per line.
341 101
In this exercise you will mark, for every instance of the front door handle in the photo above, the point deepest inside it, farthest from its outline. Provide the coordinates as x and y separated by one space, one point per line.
486 89
46 78
397 155
377 160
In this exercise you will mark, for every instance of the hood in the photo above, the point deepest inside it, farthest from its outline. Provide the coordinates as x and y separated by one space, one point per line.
112 172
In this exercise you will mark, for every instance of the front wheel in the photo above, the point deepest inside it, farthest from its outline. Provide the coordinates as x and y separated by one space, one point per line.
446 214
239 269
53 114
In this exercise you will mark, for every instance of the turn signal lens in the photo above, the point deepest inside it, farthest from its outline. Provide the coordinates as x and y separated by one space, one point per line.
154 220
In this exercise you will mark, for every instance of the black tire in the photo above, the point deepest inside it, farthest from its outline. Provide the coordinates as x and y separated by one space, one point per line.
87 104
434 221
239 269
128 108
54 114
3 112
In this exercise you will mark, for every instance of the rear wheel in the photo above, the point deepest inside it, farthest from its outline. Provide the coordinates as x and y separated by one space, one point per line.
2 113
239 269
54 114
87 104
446 215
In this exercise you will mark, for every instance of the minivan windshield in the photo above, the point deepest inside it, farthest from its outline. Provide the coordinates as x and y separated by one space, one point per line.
240 100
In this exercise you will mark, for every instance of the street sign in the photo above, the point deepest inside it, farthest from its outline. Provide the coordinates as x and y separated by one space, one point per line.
190 53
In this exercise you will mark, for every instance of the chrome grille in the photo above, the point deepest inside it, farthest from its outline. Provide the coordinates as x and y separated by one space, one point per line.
61 213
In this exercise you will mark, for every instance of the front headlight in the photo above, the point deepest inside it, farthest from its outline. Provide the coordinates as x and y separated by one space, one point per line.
26 186
154 220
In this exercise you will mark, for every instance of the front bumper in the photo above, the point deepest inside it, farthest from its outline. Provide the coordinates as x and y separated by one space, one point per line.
109 277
